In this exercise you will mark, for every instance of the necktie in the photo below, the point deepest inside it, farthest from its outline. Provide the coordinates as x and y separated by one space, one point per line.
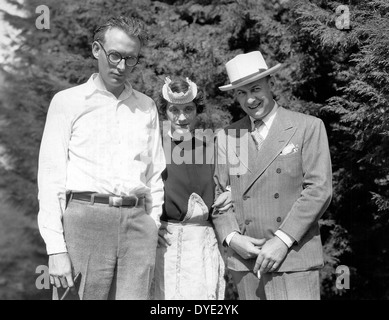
255 133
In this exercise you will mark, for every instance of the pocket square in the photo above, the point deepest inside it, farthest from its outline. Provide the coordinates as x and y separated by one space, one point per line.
290 148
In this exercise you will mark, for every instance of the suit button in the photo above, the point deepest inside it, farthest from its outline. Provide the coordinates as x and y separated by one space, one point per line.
245 197
276 196
278 219
247 222
278 170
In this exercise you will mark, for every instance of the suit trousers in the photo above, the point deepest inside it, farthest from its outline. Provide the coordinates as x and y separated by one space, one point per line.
114 248
302 285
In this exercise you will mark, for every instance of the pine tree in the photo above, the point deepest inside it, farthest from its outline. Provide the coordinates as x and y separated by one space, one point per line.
340 76
349 80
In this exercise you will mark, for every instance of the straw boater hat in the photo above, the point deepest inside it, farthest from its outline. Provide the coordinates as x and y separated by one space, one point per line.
246 68
179 97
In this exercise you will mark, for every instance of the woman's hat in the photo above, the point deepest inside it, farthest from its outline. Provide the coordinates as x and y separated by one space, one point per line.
179 97
246 68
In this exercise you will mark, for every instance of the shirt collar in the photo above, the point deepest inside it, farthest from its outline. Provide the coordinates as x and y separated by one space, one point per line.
268 119
95 84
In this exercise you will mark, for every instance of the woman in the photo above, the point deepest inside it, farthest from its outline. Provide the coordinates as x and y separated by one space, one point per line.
189 264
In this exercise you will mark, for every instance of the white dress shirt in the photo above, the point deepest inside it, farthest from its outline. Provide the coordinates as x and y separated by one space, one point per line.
263 131
96 142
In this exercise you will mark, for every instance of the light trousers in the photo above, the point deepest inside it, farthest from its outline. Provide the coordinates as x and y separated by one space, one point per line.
302 285
114 248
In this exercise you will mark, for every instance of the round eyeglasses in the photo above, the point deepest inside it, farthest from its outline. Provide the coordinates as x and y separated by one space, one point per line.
115 58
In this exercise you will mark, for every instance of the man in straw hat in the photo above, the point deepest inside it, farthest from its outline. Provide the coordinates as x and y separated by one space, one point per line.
277 164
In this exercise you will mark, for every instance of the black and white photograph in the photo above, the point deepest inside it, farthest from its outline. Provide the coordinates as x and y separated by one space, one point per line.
211 152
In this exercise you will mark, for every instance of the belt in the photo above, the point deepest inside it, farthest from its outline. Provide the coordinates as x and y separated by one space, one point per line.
200 223
112 201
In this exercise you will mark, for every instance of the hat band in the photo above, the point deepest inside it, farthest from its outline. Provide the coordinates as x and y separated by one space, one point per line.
248 77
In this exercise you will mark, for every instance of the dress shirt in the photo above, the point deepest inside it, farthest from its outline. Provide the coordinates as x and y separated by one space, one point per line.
96 142
263 131
267 122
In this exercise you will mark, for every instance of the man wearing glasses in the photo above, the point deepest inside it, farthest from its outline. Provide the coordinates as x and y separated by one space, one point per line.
99 177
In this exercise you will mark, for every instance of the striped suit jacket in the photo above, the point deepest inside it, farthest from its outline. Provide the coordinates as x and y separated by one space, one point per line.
272 190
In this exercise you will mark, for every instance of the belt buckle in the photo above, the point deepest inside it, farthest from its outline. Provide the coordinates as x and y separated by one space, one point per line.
115 201
136 201
131 199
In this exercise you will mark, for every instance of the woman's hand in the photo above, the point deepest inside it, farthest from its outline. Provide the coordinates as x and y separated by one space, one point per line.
223 201
163 239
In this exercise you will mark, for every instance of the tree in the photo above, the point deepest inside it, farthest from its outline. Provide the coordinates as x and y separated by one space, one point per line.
349 79
340 76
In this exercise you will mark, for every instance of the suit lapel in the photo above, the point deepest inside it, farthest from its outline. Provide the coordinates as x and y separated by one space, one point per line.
278 137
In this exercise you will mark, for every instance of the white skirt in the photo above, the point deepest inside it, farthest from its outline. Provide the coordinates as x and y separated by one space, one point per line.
191 268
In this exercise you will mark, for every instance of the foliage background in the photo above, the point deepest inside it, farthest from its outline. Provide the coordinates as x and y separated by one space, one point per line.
341 76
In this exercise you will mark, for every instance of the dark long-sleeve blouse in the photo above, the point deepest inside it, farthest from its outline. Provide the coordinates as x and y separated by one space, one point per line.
182 179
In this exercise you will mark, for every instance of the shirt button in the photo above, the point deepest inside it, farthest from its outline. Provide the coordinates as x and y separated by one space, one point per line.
278 219
276 196
278 170
245 197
